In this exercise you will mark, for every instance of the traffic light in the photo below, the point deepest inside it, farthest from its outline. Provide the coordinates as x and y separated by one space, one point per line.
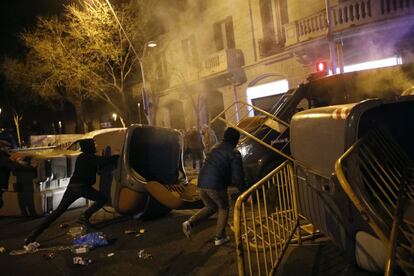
322 70
322 66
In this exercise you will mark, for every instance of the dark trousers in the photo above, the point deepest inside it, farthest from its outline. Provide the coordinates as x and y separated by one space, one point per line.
197 155
71 194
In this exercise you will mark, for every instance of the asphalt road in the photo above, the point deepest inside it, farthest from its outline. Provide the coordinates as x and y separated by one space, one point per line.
172 253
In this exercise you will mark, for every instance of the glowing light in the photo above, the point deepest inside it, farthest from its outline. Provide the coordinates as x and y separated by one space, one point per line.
372 64
321 66
267 89
152 44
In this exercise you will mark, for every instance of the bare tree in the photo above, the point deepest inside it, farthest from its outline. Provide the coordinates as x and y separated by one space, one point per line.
110 40
53 71
86 55
20 97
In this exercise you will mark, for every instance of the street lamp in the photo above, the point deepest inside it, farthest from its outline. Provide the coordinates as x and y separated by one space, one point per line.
150 44
114 116
139 113
331 41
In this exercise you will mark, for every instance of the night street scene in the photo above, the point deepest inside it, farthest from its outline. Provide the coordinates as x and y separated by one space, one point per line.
207 137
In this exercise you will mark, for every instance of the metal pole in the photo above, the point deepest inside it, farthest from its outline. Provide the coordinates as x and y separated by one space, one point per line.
144 96
144 93
331 42
139 113
340 56
236 103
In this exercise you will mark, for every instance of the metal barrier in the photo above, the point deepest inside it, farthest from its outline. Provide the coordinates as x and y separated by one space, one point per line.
258 128
377 176
265 220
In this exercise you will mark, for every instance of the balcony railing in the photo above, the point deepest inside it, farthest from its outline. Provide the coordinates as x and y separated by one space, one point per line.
221 62
268 47
346 15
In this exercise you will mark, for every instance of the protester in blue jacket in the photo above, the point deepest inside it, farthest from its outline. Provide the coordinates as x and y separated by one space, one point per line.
223 167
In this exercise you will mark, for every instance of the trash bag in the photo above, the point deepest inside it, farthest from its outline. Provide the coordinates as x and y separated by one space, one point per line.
95 239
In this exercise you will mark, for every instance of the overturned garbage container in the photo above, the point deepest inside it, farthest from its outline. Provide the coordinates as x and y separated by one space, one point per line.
151 180
357 215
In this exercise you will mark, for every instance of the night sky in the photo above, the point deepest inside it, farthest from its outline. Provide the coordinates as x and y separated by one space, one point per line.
18 15
15 17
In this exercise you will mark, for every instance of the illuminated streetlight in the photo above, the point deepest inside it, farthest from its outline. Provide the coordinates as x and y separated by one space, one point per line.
114 116
150 44
145 102
139 113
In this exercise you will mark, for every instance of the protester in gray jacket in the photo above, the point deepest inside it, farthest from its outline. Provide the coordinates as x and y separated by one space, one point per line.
222 167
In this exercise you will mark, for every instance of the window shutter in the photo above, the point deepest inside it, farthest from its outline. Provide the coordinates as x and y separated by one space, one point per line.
230 33
194 53
218 38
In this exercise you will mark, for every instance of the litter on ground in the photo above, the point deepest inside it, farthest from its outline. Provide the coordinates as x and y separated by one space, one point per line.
81 260
95 239
144 255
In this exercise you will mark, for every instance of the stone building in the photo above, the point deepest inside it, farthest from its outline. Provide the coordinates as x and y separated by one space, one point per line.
215 52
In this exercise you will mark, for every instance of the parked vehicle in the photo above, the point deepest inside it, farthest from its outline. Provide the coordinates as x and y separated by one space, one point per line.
354 202
357 214
339 89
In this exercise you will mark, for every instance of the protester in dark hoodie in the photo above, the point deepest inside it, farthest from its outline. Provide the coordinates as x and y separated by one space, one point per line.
222 167
7 165
80 185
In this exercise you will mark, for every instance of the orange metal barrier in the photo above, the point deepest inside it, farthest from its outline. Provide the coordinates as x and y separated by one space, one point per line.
265 221
378 177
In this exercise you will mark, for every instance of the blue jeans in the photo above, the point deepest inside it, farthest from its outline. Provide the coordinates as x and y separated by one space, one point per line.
213 201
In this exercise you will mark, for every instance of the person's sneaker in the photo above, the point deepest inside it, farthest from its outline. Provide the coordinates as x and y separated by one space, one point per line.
187 228
28 240
85 222
31 238
220 241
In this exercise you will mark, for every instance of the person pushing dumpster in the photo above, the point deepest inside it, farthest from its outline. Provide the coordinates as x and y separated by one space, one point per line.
222 167
80 185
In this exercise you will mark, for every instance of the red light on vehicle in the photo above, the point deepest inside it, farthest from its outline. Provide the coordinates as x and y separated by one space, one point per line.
321 66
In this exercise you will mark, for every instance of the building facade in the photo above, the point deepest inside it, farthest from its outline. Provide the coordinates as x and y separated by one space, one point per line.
214 52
